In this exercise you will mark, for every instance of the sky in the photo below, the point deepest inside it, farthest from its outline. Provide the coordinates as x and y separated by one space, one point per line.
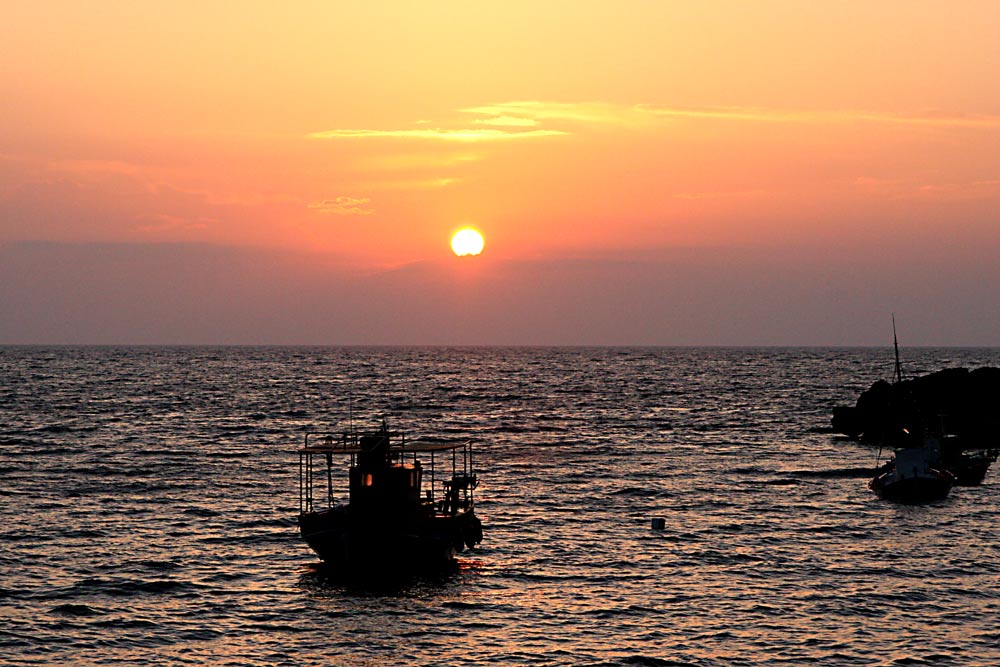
644 173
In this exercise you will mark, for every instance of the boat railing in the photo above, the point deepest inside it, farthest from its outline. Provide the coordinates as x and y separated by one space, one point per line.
455 490
345 441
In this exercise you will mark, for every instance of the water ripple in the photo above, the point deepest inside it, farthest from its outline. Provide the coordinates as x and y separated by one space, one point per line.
149 502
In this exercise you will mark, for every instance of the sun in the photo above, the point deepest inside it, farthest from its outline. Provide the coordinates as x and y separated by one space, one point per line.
467 241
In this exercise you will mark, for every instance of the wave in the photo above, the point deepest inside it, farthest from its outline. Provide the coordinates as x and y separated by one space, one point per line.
203 512
847 473
779 482
651 661
158 565
16 442
117 587
56 428
631 611
642 492
239 454
278 522
82 533
76 610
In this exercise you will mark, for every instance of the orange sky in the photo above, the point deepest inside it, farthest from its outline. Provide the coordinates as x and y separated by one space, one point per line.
363 134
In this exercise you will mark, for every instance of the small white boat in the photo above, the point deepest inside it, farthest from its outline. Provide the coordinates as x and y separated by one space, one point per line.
910 476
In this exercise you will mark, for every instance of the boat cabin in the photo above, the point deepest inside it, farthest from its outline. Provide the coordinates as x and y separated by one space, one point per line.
386 474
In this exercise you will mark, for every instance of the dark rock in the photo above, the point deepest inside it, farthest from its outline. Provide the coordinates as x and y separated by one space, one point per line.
955 401
847 420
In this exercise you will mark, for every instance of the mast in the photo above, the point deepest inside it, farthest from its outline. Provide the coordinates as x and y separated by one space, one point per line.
897 378
895 344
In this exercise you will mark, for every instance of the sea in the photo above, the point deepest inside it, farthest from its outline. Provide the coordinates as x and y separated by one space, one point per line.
149 495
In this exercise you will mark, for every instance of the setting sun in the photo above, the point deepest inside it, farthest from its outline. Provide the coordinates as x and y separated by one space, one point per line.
467 242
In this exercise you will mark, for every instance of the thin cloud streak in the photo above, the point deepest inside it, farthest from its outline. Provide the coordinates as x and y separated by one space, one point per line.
534 112
538 114
507 121
413 184
462 136
778 116
343 205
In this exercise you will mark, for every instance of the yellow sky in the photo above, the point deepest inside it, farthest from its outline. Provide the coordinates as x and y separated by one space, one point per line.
370 131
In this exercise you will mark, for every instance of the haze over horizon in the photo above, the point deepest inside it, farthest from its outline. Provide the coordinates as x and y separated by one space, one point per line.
658 173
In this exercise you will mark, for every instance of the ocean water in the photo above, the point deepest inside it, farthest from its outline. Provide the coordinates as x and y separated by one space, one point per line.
148 500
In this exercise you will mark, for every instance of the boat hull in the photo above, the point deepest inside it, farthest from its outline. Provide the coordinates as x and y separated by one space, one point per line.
971 469
912 490
341 538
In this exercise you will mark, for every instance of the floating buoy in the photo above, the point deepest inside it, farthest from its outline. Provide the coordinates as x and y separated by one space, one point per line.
659 524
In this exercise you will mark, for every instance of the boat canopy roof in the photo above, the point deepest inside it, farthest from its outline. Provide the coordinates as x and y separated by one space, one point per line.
350 443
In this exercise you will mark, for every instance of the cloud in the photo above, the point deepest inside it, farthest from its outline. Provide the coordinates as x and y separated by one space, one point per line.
722 113
534 112
507 121
473 135
417 184
945 191
343 205
535 119
932 118
984 189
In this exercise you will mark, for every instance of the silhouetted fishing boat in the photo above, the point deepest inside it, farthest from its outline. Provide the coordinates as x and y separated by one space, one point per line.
954 405
969 468
913 474
391 519
910 476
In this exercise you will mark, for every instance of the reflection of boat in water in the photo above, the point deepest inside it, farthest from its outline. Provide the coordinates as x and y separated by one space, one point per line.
391 520
910 476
